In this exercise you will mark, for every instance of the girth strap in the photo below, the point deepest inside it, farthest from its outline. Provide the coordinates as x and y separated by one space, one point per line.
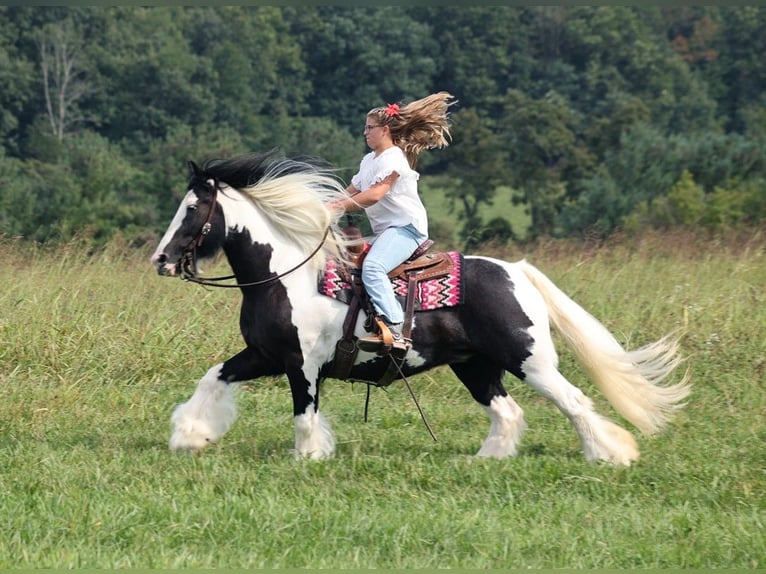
409 308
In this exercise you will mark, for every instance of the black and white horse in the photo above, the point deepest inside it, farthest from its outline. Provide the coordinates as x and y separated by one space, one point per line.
269 217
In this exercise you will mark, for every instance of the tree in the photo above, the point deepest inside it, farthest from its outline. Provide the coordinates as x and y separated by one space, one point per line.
539 143
599 208
738 76
359 58
616 50
90 188
17 76
482 52
586 113
150 82
257 64
17 205
63 82
475 166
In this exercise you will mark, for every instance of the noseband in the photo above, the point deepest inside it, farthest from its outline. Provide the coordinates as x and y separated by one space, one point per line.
188 261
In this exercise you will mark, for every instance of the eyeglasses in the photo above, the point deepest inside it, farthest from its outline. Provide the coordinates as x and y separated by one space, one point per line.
369 128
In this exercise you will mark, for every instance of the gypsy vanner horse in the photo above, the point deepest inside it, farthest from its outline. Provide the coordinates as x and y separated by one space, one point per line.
269 215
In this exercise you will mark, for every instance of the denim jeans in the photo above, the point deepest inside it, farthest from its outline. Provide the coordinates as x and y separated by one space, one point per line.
389 249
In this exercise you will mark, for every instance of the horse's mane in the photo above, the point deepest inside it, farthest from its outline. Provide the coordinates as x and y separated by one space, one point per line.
291 193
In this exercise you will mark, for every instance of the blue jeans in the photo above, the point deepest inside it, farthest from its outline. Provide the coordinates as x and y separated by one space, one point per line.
390 248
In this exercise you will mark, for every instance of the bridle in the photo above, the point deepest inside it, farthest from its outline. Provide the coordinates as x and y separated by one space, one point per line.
188 261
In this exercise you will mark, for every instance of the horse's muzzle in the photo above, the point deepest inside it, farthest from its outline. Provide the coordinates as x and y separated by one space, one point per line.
163 267
166 270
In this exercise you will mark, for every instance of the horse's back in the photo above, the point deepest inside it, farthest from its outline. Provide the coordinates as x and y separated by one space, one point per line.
504 315
503 288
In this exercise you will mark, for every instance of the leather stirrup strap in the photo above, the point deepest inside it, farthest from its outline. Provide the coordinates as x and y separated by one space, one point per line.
346 349
409 309
385 332
351 317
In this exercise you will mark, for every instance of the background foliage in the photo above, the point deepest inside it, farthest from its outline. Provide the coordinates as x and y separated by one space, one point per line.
591 116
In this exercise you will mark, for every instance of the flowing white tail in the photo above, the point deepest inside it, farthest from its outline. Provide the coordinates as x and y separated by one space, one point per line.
630 380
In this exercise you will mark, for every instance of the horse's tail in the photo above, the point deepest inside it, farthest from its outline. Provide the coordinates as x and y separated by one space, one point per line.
630 380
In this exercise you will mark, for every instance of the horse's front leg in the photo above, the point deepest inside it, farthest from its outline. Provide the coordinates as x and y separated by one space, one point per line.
211 410
314 438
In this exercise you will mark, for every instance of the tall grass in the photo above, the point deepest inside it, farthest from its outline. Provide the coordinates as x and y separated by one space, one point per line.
96 349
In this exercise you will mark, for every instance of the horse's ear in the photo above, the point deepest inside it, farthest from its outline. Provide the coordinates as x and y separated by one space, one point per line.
194 169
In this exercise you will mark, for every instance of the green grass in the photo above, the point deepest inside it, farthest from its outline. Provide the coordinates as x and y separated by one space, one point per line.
96 350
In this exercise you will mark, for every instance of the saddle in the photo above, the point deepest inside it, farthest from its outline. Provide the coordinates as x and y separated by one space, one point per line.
420 266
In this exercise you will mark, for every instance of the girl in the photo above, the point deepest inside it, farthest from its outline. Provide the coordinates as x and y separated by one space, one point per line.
386 187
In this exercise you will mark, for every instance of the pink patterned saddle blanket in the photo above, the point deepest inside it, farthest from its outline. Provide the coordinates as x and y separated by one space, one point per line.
433 292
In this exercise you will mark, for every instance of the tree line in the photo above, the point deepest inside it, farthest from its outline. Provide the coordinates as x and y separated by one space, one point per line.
597 118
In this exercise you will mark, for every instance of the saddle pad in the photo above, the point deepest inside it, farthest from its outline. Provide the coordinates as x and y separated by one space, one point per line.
444 291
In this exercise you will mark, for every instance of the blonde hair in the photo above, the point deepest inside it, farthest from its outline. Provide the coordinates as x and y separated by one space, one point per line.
422 124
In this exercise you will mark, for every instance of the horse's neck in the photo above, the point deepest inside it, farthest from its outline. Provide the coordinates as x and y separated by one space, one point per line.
242 216
247 227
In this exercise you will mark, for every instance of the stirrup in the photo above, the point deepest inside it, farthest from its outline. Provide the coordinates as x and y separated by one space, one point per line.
385 341
398 347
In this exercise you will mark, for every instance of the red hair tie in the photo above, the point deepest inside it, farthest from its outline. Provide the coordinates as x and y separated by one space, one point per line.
392 110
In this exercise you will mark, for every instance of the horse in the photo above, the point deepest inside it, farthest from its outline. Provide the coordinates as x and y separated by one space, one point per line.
269 215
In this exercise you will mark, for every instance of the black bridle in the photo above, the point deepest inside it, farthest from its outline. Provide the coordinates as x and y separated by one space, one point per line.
188 261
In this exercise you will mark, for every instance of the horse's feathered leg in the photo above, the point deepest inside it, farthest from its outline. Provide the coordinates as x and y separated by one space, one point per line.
206 416
601 439
483 379
314 438
632 381
520 340
211 410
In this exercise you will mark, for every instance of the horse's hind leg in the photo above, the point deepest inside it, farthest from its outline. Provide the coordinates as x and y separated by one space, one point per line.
484 381
601 439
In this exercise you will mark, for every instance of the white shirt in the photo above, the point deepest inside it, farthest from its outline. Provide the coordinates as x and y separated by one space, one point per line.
401 205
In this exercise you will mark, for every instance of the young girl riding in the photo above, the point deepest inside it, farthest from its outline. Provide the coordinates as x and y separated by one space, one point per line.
386 188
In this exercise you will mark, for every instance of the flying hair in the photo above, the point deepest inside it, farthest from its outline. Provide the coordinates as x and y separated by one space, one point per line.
422 124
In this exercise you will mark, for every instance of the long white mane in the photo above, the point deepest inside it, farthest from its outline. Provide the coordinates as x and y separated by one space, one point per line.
296 203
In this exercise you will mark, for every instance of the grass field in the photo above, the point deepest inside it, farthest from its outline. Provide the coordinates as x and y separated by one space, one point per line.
96 350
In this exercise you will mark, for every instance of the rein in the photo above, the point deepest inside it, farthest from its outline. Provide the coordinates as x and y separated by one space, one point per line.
189 258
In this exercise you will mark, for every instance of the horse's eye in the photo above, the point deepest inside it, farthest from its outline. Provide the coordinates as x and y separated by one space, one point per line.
192 207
